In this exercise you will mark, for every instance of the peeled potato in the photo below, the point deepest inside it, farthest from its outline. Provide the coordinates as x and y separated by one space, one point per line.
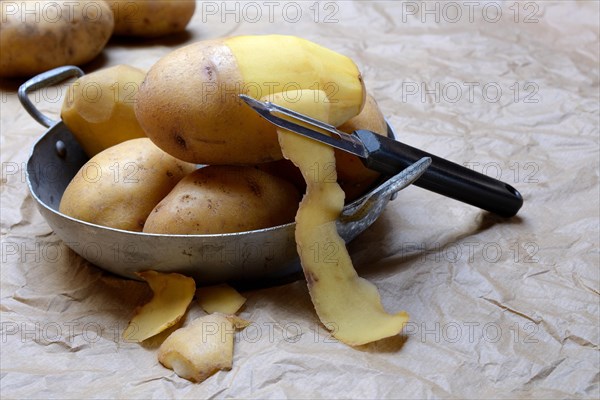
98 108
121 185
347 304
189 105
224 199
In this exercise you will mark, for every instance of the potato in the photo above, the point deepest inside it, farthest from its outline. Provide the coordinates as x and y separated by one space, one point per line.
285 169
354 178
189 105
98 108
36 36
151 18
224 199
347 304
119 186
172 293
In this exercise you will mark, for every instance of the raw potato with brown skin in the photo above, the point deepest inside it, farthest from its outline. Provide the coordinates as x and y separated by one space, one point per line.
224 199
151 18
189 105
59 33
121 185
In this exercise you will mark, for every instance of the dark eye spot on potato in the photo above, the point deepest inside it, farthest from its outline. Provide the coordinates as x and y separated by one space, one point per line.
255 187
169 174
180 141
209 72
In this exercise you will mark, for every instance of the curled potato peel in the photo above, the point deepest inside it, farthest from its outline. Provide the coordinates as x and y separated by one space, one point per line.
346 303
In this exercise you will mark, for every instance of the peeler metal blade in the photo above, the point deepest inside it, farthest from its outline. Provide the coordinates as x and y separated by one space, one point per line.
307 126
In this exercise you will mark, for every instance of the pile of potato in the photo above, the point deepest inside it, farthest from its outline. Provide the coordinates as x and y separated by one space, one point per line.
205 167
36 36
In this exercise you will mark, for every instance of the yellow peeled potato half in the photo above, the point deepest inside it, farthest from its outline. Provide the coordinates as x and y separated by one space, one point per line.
354 178
121 185
224 199
151 18
189 105
98 108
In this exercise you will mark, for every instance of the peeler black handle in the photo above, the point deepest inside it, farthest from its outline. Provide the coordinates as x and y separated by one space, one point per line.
444 177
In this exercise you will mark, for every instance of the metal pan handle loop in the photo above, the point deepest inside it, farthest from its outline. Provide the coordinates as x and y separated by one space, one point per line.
43 80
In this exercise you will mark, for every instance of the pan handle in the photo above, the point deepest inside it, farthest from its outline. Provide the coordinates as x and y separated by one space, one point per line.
43 80
390 187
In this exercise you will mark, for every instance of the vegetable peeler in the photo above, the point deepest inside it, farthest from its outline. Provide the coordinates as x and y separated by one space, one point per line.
388 156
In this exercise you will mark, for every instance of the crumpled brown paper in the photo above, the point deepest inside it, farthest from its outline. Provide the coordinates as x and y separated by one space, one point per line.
499 308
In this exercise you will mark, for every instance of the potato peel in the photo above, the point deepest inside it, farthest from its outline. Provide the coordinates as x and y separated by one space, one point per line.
172 295
197 351
220 298
347 304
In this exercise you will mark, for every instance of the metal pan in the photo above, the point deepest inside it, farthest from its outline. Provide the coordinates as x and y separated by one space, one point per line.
253 256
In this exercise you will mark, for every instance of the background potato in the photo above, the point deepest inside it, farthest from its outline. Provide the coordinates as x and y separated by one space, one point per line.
224 199
151 18
59 33
121 185
98 108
